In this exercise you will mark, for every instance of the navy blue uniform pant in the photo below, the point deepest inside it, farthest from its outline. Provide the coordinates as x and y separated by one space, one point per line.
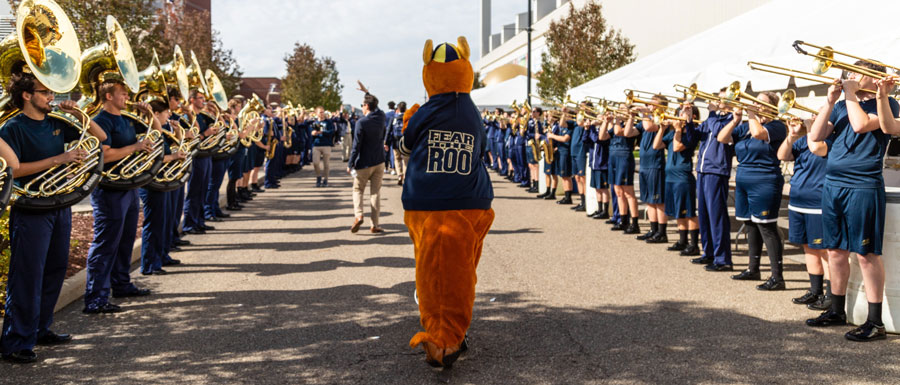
715 227
211 200
273 167
39 246
236 166
176 207
155 232
196 192
109 259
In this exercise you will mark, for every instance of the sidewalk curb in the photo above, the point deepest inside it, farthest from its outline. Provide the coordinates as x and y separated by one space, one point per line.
73 287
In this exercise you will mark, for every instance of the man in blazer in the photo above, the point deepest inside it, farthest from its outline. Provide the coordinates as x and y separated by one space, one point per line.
366 163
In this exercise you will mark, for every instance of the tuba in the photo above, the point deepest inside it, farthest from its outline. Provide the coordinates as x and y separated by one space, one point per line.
252 110
114 60
45 44
288 130
228 147
197 80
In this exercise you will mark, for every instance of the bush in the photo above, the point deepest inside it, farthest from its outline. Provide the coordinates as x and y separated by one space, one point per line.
4 259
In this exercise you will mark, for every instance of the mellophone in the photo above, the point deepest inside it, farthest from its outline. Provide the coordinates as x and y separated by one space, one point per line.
45 43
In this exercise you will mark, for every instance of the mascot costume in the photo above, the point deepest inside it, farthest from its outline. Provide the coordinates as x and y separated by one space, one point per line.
447 198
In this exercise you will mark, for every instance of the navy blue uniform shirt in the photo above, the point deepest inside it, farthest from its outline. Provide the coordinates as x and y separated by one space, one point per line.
809 174
326 137
577 141
855 160
34 140
446 141
621 145
756 156
651 159
680 164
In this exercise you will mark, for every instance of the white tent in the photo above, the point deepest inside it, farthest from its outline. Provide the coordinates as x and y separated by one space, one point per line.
718 56
502 94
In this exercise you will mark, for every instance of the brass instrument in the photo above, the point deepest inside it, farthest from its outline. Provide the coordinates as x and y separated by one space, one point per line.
175 73
251 110
270 151
810 76
45 44
174 174
197 80
789 101
631 99
288 130
216 92
824 60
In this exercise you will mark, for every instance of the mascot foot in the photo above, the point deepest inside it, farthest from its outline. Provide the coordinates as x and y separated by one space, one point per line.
444 358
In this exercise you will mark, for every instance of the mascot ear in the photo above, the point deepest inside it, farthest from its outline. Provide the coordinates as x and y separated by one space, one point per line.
409 113
426 53
463 46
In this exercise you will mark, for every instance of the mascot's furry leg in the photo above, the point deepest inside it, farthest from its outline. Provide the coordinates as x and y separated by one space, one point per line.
448 248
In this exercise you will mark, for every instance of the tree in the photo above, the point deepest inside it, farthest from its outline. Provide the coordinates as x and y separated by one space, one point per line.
477 83
580 47
311 81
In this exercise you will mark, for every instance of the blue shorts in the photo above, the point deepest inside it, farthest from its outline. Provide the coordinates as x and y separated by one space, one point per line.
621 170
681 199
853 218
758 199
599 179
653 185
562 165
579 164
529 155
550 168
805 228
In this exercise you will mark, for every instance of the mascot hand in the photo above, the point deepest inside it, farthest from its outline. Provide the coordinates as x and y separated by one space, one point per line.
408 115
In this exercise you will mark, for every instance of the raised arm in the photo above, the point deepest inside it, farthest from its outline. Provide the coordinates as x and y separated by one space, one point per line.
724 135
821 127
889 124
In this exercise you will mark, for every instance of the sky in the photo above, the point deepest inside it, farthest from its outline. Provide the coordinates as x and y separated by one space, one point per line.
378 42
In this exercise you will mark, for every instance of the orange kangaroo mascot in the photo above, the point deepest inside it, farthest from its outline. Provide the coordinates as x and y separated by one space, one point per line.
447 198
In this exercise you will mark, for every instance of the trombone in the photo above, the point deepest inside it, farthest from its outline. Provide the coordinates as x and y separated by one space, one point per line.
824 60
734 94
813 77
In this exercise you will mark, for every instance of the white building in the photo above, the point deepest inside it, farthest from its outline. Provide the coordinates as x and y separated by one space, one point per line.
649 24
7 20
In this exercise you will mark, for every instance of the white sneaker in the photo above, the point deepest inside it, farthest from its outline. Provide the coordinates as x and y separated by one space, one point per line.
393 172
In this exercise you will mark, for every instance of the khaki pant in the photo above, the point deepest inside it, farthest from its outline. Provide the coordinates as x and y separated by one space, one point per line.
346 142
399 163
320 160
368 175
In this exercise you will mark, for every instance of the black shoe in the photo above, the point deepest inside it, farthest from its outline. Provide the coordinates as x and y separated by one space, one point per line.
645 236
747 275
658 238
618 227
828 318
610 221
550 197
21 357
207 228
867 332
52 338
223 215
690 251
702 261
578 207
156 272
677 246
256 188
771 284
542 195
182 242
133 293
564 201
806 298
633 229
233 208
106 308
174 249
715 267
196 231
213 219
822 303
533 189
324 183
593 214
172 262
602 215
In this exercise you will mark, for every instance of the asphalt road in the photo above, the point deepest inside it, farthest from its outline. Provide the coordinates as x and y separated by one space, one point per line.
283 293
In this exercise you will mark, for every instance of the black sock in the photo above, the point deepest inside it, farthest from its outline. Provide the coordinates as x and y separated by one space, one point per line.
582 199
753 264
662 229
695 237
605 206
654 227
682 237
875 313
837 303
815 283
568 195
828 287
634 221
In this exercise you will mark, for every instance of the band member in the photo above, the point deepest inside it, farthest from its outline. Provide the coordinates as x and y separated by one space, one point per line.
392 140
157 214
259 153
679 138
39 240
194 218
805 210
115 211
653 178
176 197
621 159
236 163
501 164
273 135
713 171
323 136
579 160
562 164
598 160
853 197
758 186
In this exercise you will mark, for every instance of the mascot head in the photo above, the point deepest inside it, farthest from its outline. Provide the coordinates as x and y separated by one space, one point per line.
447 68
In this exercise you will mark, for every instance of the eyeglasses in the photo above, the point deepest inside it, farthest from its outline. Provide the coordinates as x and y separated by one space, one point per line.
43 92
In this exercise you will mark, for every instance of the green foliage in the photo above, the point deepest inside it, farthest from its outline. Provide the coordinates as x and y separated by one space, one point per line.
580 47
311 81
477 83
4 259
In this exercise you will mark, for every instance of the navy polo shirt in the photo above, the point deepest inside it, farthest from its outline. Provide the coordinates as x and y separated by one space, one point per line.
714 157
756 156
326 137
446 141
120 132
651 158
577 143
562 147
621 145
680 164
855 160
34 140
809 174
